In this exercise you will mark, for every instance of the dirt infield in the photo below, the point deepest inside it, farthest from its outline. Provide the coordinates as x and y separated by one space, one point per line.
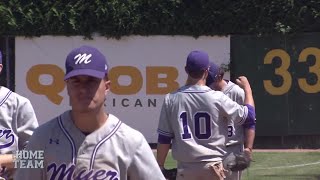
286 150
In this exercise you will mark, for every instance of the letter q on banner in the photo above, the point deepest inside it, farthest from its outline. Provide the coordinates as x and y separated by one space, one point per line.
51 90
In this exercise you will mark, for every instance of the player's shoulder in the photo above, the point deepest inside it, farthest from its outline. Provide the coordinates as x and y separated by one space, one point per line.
232 87
41 134
130 133
191 89
216 94
194 91
13 96
171 96
127 134
47 128
175 93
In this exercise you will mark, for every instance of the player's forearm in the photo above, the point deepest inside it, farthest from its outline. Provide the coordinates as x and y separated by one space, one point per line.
243 82
248 96
162 152
249 138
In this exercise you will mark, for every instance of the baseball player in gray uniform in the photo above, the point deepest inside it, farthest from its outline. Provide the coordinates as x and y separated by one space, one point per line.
18 121
86 142
194 120
240 137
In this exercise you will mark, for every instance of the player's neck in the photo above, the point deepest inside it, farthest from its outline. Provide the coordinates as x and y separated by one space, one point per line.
222 84
89 122
191 81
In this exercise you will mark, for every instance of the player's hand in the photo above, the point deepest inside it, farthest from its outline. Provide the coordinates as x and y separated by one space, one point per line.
248 152
243 82
219 170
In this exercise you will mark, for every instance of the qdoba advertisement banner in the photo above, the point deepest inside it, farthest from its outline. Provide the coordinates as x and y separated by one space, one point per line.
143 70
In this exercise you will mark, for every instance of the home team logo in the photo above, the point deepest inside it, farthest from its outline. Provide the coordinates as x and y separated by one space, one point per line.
28 159
83 58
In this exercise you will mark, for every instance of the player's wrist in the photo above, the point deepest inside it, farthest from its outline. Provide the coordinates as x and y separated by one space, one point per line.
248 149
247 89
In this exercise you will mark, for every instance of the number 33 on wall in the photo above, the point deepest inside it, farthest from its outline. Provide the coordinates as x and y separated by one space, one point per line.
285 74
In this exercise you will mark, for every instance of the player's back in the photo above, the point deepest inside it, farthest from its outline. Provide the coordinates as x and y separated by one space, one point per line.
198 125
234 92
235 132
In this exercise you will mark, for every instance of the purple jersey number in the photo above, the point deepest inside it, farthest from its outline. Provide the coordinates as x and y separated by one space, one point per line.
198 117
230 131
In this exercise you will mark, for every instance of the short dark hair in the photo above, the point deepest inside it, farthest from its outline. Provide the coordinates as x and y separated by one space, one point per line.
196 74
214 77
221 72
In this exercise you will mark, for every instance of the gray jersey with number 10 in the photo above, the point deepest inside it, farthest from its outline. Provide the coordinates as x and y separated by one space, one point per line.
196 118
112 152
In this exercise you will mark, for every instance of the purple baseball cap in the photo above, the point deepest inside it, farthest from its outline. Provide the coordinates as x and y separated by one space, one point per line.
0 57
212 74
86 60
197 61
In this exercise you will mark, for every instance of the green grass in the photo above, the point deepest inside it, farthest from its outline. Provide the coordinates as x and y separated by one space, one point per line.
278 166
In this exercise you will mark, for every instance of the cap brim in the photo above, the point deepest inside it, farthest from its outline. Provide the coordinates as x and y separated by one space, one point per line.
86 72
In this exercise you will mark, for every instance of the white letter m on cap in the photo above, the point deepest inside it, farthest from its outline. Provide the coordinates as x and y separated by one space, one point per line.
83 58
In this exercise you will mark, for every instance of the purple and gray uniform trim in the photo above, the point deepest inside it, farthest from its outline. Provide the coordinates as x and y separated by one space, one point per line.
164 137
5 98
95 148
73 147
93 156
250 122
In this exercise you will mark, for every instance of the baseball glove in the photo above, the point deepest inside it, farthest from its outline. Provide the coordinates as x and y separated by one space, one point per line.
237 162
170 174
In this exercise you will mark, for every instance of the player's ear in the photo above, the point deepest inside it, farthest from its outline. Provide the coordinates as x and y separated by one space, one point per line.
107 83
1 66
205 74
218 78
